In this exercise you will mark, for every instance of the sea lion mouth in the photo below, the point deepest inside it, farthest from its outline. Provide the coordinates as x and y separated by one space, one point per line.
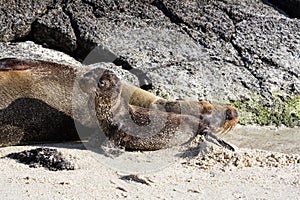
228 126
231 119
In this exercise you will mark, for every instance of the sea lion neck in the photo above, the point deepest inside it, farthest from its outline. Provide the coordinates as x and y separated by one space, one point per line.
107 95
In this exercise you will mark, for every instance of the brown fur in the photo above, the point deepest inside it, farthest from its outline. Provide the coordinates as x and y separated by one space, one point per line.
220 118
148 128
36 102
49 82
36 105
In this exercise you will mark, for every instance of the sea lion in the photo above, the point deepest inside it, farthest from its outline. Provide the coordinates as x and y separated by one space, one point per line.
36 102
148 128
37 105
228 114
142 98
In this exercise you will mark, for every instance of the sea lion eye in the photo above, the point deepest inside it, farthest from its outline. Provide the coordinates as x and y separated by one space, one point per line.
101 83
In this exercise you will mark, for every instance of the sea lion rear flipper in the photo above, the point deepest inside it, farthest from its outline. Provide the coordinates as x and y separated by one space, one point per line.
13 64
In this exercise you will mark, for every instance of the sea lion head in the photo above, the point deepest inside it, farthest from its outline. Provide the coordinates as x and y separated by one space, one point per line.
102 83
221 119
217 118
108 86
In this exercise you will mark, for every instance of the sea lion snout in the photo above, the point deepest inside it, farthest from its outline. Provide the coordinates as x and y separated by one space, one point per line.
108 80
222 118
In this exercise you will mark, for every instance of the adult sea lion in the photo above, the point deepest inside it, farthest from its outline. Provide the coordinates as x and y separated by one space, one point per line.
37 102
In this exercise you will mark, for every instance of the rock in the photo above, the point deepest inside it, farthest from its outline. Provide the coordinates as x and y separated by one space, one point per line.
238 52
55 30
30 50
17 17
94 21
50 159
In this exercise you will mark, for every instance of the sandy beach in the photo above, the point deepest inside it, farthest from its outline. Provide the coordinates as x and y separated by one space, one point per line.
167 176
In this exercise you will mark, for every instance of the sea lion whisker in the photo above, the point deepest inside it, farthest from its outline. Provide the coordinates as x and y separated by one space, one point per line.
226 130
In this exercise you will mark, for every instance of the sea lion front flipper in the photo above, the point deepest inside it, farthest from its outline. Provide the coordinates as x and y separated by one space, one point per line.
209 136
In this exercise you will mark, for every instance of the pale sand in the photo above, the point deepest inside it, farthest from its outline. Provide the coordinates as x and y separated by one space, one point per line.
182 178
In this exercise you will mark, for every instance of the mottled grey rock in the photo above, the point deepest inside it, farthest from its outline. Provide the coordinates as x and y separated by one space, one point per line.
177 66
16 17
30 50
269 49
241 52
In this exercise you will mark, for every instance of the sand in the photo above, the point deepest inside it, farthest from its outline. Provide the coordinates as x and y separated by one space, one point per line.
266 165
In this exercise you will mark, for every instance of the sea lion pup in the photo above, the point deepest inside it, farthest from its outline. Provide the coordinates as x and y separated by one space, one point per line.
139 97
140 128
203 109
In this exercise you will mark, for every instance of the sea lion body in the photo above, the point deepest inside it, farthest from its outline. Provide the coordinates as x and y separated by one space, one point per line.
37 105
46 81
36 102
149 127
219 118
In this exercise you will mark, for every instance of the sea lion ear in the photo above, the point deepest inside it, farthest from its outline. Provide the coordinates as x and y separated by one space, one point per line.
7 64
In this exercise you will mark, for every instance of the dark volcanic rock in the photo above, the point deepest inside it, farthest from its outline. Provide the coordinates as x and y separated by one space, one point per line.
94 21
16 17
51 159
55 30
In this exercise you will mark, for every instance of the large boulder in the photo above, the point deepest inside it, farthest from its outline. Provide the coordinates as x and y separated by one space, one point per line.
239 52
16 17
